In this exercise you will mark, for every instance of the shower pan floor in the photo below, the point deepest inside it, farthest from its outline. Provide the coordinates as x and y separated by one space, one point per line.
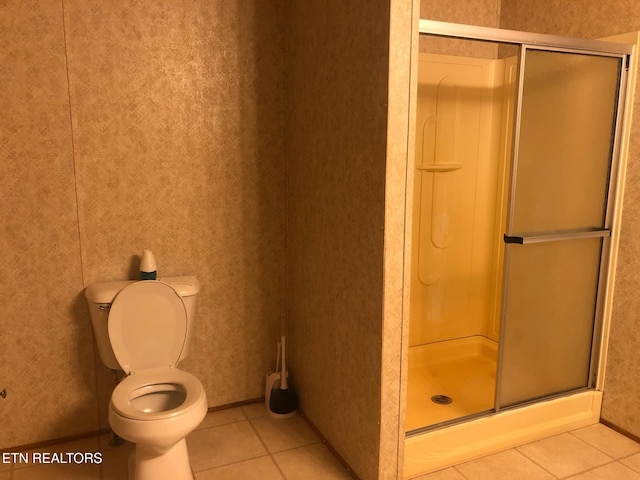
462 369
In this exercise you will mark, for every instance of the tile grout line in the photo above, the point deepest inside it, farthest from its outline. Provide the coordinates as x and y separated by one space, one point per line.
517 449
460 472
238 462
595 468
611 459
245 419
273 460
602 451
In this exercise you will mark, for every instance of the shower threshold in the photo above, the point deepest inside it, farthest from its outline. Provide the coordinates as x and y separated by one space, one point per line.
462 441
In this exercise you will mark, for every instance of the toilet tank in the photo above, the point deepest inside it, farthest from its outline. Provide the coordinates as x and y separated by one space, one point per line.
100 296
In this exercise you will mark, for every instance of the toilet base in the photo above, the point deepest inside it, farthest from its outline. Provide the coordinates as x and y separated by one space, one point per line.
145 463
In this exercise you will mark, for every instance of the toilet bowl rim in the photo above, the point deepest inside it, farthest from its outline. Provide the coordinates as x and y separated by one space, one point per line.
121 397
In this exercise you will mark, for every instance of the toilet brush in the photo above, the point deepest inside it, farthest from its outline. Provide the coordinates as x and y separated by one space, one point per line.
283 401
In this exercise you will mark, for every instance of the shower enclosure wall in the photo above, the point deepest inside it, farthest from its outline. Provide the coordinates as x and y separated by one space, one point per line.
514 187
462 140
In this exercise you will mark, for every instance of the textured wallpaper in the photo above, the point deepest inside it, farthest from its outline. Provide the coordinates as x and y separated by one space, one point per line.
45 338
336 141
132 125
485 13
178 116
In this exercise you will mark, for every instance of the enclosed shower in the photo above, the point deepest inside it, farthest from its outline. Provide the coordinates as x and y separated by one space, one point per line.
516 164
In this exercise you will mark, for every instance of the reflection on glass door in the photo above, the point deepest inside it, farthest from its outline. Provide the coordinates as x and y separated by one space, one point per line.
559 223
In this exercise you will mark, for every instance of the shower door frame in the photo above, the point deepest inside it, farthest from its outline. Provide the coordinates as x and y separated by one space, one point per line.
609 235
604 233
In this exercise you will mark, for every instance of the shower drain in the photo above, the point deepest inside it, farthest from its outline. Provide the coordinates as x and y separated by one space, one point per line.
441 399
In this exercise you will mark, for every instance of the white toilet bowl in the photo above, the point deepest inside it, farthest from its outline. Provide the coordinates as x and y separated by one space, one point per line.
156 409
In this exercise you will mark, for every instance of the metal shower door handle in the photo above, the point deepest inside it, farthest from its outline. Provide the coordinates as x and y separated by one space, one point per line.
527 239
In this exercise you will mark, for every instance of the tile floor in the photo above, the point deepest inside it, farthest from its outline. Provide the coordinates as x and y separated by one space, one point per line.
245 443
591 453
238 443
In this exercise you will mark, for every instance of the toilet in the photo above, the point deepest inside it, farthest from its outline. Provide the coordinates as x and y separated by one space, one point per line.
144 329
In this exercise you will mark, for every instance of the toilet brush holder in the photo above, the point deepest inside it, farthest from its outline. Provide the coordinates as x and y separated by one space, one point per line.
272 383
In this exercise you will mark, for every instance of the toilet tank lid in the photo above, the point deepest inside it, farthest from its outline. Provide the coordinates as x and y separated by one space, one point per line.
186 286
105 292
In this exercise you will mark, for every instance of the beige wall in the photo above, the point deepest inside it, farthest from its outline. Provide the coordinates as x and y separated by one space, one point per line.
585 19
128 126
45 338
485 13
336 141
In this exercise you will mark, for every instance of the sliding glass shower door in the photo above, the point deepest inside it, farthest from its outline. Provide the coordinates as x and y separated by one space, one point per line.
559 221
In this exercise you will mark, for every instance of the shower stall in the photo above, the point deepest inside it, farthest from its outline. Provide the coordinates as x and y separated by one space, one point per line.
515 180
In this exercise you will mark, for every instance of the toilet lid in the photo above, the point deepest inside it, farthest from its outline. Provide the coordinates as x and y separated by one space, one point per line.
147 326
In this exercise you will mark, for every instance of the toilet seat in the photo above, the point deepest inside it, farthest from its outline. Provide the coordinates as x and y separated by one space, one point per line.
147 326
147 330
135 386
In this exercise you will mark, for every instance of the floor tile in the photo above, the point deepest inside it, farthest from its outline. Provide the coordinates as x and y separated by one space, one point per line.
564 455
607 440
447 474
507 465
216 446
254 410
262 468
222 417
611 471
82 471
284 434
313 462
115 461
246 443
633 462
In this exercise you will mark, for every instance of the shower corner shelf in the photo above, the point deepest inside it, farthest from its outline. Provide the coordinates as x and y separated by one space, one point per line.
440 167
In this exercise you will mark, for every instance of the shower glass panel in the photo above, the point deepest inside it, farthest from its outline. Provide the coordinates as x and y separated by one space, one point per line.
558 227
565 141
551 307
465 105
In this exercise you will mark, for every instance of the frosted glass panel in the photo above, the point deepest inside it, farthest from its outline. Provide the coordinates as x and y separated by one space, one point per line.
565 144
559 193
549 318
